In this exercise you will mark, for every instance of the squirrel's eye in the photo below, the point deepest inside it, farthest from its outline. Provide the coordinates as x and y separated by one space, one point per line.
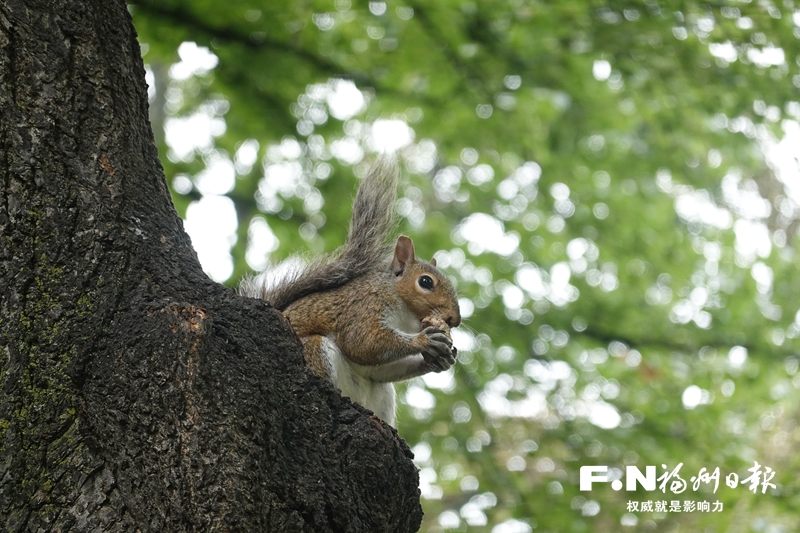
426 282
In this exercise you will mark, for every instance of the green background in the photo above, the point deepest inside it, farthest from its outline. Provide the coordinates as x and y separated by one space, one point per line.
621 146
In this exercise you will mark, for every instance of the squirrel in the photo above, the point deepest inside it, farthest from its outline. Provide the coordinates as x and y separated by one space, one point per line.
370 313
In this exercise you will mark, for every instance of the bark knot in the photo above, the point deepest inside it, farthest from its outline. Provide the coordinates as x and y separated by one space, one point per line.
191 318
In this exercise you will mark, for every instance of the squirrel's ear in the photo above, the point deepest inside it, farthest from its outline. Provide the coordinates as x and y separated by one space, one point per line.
433 261
403 254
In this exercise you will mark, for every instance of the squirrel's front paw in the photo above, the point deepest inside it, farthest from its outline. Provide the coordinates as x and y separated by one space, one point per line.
439 352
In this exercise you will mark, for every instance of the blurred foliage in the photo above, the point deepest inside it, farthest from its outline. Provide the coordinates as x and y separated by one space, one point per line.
599 178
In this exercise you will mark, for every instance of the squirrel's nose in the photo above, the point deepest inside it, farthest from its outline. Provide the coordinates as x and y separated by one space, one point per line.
453 321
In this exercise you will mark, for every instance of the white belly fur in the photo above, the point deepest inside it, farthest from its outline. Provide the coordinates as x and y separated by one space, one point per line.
377 397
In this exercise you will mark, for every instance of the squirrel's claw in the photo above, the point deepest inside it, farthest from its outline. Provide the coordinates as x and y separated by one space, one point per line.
439 353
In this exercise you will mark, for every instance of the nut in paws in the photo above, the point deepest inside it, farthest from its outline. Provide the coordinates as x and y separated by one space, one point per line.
440 353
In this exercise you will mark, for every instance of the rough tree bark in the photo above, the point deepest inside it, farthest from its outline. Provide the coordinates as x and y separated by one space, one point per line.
137 395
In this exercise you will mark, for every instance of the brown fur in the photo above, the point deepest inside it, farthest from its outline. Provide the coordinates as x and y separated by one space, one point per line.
312 353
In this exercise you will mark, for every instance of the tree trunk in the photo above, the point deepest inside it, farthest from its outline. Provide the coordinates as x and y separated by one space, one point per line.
137 395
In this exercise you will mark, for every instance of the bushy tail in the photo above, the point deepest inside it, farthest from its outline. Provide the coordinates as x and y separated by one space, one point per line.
369 239
368 244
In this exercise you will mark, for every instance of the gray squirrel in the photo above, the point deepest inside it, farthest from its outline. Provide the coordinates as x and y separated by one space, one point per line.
370 313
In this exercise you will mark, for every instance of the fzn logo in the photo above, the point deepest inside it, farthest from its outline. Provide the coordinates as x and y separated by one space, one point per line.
633 476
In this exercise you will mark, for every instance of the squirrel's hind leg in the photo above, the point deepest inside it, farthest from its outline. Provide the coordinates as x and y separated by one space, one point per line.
315 356
324 357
